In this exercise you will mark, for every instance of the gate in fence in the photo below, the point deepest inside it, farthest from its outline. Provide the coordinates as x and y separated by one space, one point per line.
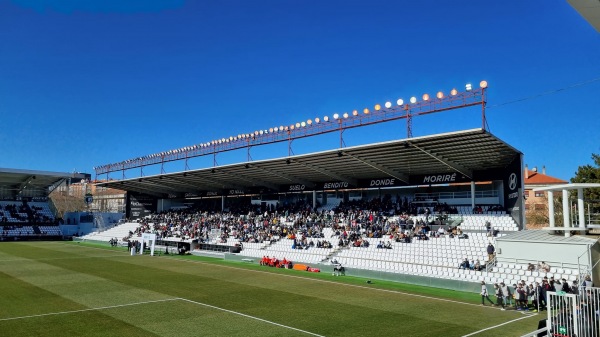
574 315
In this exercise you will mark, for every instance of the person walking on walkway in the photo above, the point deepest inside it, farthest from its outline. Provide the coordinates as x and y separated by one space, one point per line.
484 294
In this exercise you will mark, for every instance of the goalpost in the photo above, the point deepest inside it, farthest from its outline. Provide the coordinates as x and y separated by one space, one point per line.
151 239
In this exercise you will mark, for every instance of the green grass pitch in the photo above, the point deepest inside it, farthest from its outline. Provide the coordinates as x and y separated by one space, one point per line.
76 289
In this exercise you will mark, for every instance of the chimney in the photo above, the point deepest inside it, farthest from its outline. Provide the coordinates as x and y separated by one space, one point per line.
534 169
526 172
544 169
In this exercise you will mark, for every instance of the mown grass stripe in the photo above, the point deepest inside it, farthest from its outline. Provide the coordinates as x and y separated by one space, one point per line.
252 317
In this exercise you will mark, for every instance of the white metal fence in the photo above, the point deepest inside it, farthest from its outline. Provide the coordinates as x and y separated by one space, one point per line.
574 315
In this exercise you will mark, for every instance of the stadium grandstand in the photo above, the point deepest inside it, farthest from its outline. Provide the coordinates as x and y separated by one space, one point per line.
26 212
422 210
445 210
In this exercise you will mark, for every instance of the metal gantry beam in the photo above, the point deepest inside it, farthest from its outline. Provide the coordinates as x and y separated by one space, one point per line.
307 129
139 188
291 179
326 172
455 166
392 173
255 181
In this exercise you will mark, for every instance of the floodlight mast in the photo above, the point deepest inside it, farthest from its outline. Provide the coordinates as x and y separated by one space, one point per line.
380 114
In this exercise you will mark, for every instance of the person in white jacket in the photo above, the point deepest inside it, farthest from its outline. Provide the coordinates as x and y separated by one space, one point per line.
484 294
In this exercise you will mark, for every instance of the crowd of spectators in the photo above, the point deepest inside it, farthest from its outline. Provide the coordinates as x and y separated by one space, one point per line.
24 213
479 209
351 222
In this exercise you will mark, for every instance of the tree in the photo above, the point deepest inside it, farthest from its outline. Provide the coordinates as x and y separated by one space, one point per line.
537 214
63 202
589 174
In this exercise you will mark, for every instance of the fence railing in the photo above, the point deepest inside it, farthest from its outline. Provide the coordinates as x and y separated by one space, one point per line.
574 315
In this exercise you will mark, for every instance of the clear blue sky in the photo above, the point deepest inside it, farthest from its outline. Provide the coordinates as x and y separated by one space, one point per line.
86 83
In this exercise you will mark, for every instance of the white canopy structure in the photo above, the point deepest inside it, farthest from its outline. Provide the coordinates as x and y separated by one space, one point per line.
565 202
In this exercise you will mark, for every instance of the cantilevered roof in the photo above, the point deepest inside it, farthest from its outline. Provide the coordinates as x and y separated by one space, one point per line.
546 237
567 187
37 183
589 9
466 153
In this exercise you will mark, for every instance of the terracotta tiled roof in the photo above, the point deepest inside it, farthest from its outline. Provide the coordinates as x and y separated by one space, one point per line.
537 178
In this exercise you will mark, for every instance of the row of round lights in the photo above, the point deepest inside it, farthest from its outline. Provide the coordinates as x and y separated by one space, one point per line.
336 116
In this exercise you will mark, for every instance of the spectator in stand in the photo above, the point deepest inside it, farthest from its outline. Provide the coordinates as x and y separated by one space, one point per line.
544 267
464 264
478 266
490 251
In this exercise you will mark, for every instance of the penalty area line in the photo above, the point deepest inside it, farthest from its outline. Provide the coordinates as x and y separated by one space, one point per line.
251 317
89 309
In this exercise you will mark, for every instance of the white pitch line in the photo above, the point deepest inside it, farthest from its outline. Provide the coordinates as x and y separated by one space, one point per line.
90 309
252 317
496 326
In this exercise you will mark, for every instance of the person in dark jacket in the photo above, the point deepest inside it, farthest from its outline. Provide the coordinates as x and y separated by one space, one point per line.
490 251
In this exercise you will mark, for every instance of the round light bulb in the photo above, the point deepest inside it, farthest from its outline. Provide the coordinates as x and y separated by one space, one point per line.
309 122
326 119
345 115
426 97
336 116
453 92
413 100
388 104
377 107
483 84
440 95
355 113
303 124
317 120
400 101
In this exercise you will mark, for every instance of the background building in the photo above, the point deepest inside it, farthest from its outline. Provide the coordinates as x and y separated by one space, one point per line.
536 203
